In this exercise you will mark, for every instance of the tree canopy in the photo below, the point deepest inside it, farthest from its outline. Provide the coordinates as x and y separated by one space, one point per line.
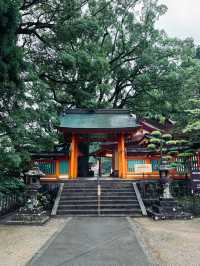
25 109
90 54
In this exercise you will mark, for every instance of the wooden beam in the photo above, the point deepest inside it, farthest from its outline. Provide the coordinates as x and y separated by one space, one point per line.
76 158
73 158
121 156
57 169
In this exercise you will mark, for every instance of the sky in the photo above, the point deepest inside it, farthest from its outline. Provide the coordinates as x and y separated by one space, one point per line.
182 19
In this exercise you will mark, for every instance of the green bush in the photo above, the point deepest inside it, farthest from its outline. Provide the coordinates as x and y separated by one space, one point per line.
11 185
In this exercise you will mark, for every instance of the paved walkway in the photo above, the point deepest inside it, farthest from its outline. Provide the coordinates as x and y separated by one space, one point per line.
93 241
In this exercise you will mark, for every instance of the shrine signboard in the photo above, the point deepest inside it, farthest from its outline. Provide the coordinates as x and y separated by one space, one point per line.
195 182
143 168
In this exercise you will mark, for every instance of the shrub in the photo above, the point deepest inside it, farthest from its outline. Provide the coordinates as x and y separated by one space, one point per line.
11 185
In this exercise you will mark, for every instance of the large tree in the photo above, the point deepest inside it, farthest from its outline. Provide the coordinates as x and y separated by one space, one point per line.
105 53
102 53
84 53
25 108
188 105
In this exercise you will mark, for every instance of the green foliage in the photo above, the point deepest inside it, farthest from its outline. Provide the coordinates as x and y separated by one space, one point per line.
171 142
155 141
193 118
167 157
89 54
173 165
106 165
151 146
165 145
44 200
156 134
188 115
167 137
107 54
185 154
11 185
173 153
27 111
181 142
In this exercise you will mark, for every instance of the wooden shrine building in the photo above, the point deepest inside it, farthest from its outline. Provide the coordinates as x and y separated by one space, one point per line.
122 138
89 126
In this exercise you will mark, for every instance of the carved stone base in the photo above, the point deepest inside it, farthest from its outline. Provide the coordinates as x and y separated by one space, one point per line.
167 208
26 216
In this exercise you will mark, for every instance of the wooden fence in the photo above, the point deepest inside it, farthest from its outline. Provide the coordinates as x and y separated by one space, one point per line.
8 203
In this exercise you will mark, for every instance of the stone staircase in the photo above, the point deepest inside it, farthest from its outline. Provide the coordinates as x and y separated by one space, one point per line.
118 198
79 198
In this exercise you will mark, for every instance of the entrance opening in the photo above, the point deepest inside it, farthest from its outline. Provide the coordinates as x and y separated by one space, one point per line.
93 161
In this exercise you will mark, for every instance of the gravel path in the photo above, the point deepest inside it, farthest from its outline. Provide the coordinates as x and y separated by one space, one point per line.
19 243
172 243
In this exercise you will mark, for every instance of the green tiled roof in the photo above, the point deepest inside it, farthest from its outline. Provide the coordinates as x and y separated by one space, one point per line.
98 119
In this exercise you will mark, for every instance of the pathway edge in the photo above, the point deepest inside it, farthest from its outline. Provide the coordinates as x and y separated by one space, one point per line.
46 244
152 260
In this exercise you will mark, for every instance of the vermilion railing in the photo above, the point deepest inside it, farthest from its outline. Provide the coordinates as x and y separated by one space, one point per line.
54 168
48 167
183 167
191 164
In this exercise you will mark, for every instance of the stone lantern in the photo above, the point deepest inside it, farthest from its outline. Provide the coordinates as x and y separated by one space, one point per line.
33 185
165 179
32 212
167 207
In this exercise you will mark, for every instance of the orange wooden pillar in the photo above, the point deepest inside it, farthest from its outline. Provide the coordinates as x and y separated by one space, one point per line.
121 156
57 169
73 158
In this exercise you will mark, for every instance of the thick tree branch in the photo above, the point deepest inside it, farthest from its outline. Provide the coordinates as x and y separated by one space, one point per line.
28 4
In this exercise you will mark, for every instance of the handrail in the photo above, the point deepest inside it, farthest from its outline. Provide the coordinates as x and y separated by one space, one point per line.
57 200
98 196
139 198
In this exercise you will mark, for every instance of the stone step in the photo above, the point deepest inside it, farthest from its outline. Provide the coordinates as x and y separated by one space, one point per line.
118 190
77 202
103 194
94 192
107 201
86 182
78 197
117 193
79 189
119 201
117 187
110 191
79 207
116 197
121 211
80 186
88 212
95 206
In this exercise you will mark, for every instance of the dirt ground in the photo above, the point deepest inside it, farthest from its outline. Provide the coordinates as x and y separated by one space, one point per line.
171 243
19 243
